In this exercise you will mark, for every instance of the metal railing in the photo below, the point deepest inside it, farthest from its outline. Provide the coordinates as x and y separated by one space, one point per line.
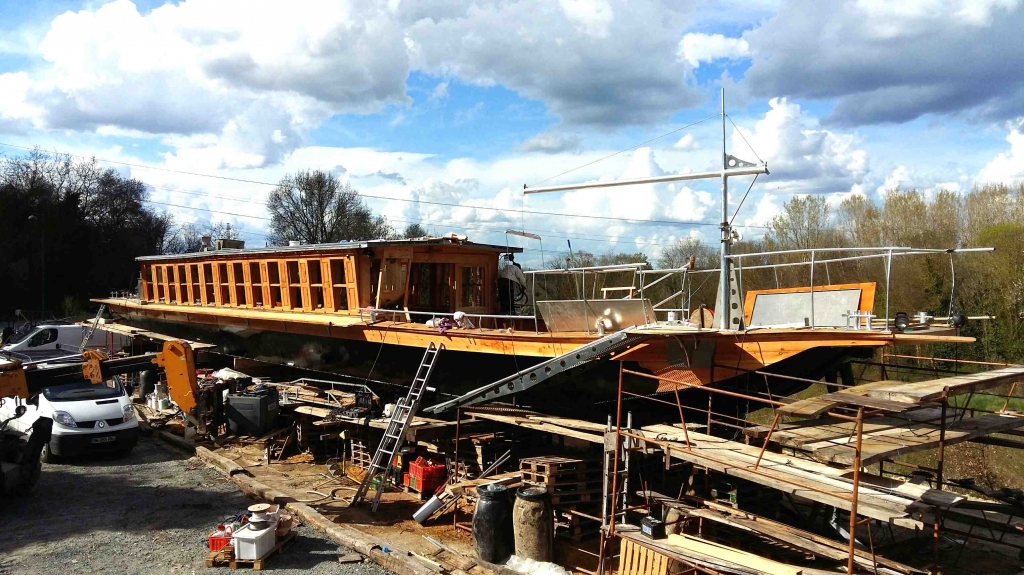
372 315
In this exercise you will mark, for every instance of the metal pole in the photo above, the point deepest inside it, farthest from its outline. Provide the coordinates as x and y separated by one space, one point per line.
458 423
618 444
625 466
586 316
888 275
607 468
812 288
856 489
723 282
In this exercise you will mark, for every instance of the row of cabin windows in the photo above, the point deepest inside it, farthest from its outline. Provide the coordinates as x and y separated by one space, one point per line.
431 285
272 284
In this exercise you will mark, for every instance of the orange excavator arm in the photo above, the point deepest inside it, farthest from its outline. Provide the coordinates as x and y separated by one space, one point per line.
180 367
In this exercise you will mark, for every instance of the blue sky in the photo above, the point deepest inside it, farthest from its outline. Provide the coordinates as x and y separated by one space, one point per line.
439 112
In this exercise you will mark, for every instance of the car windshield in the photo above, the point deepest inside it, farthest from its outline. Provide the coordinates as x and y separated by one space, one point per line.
82 390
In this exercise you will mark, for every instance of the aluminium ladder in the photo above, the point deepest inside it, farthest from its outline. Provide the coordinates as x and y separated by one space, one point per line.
381 464
92 328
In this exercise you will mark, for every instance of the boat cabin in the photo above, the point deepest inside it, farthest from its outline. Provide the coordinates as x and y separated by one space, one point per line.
441 275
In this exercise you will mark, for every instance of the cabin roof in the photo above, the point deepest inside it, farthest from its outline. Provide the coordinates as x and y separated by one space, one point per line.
337 246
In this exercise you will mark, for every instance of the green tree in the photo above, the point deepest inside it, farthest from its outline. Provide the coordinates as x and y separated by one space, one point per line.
413 231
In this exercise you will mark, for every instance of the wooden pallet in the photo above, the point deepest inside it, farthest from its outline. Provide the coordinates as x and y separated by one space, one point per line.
578 497
552 465
569 476
217 558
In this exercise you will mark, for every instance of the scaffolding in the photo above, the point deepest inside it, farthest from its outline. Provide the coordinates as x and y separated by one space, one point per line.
849 409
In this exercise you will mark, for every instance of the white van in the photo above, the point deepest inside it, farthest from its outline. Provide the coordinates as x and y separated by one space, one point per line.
51 340
87 418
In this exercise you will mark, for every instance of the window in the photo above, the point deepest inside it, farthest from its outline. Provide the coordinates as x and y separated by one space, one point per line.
239 275
339 284
43 337
294 284
472 286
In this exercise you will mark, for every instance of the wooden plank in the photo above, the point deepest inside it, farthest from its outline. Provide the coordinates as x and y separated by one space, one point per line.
807 408
798 538
867 401
690 544
919 437
832 486
932 390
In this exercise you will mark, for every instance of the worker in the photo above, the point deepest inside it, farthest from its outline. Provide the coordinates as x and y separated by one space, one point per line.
511 285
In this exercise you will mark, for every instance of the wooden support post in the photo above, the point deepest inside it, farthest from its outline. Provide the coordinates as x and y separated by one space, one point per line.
618 447
682 420
856 486
775 421
1005 403
458 423
942 440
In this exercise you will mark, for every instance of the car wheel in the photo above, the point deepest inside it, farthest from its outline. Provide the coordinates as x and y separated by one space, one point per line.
47 456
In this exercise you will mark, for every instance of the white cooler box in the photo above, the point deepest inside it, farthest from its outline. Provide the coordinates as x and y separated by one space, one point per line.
252 544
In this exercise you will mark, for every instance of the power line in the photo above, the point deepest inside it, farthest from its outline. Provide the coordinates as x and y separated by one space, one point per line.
415 201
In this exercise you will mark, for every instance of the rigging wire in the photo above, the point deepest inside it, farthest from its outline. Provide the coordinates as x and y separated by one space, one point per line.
740 132
625 150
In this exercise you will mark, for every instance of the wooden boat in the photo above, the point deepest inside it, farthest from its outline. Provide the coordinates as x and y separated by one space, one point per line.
381 293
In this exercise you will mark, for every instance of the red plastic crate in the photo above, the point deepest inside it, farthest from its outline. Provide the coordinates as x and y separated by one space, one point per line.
425 475
405 479
218 541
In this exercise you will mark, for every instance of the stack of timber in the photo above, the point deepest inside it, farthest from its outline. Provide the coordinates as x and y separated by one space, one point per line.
908 426
636 558
829 440
788 536
879 498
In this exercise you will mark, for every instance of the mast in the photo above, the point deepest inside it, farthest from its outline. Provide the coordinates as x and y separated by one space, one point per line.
731 166
723 266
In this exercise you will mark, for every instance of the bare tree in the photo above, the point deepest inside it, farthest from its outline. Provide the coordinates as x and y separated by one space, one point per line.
189 237
315 207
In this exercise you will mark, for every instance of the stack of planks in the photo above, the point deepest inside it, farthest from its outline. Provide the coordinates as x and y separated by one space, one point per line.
878 498
909 426
831 440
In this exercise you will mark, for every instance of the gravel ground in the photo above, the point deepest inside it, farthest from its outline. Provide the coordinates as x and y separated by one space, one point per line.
145 513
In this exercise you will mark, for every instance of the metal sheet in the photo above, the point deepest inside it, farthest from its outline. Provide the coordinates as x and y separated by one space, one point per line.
788 308
583 315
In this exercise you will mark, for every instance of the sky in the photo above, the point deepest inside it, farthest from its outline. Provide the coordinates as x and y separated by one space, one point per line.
440 112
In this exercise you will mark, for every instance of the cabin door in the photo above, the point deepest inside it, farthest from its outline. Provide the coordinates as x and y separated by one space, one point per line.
393 282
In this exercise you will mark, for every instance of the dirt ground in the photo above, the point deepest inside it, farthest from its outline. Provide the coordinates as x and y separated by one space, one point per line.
145 513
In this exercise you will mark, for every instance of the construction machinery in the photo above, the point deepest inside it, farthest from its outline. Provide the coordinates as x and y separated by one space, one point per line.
19 452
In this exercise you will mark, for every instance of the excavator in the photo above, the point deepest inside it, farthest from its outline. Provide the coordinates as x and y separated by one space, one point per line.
20 465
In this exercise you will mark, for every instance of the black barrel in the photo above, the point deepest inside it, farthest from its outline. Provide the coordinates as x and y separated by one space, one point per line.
147 382
533 524
492 524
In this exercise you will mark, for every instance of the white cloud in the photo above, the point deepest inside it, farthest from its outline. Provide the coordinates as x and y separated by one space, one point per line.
595 62
687 143
592 17
891 62
802 156
900 176
764 213
550 143
440 91
1007 166
697 48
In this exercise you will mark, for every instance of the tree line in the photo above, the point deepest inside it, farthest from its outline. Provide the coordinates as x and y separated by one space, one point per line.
70 229
87 225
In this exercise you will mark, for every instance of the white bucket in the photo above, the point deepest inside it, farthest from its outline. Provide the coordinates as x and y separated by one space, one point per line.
671 317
